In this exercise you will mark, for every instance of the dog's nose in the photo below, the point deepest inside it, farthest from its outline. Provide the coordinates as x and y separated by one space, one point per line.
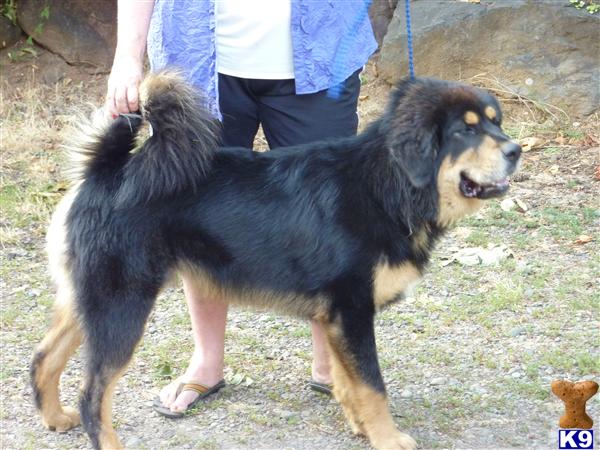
511 151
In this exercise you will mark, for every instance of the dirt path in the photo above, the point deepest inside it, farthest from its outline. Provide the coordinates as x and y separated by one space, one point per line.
468 360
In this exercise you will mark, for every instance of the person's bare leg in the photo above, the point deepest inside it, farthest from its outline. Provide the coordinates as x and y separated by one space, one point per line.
321 369
209 318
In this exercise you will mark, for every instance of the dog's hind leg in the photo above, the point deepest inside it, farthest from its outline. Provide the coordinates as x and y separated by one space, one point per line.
357 381
113 327
49 361
64 335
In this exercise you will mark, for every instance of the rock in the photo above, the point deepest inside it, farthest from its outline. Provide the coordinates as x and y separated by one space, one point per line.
508 204
381 13
472 256
9 32
516 331
133 442
468 257
81 32
287 415
554 46
438 381
405 393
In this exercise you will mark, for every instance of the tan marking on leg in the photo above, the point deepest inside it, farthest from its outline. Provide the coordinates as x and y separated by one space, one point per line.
366 409
61 341
342 383
490 112
65 334
390 281
377 420
108 437
471 118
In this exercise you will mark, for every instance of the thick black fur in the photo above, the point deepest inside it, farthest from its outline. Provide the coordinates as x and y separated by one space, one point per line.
310 221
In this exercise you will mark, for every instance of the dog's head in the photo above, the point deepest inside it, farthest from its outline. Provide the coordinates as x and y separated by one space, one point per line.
449 135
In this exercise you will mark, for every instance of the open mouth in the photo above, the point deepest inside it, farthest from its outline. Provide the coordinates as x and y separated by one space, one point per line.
471 189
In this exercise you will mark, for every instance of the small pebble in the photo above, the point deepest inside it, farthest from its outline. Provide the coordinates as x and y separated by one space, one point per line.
133 442
516 331
284 414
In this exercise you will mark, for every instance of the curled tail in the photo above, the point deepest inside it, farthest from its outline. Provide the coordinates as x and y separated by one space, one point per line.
164 152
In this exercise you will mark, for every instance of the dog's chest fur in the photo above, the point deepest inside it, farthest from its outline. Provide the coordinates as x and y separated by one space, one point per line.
394 280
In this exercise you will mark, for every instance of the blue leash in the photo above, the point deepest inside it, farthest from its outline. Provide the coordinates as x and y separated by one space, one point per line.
411 63
335 91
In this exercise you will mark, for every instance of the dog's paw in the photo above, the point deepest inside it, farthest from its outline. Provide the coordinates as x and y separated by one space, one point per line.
357 429
61 422
395 441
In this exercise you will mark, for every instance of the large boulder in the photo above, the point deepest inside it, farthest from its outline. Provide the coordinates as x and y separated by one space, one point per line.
381 13
547 51
9 33
82 32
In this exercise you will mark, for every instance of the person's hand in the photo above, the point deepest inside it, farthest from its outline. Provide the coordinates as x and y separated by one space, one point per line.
122 95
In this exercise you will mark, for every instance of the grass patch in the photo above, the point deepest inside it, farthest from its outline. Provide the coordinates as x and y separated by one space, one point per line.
562 223
478 238
551 151
482 309
532 390
581 363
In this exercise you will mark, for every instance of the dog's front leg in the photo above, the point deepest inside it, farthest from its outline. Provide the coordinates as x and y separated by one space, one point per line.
357 381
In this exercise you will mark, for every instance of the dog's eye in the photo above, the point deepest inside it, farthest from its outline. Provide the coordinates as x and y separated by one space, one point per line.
470 130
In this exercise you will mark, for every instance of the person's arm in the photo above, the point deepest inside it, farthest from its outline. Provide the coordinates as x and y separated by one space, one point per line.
133 21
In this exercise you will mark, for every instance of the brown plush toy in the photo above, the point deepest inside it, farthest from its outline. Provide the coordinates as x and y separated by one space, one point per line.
575 395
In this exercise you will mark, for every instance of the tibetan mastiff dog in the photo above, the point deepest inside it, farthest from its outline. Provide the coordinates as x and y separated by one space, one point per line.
331 231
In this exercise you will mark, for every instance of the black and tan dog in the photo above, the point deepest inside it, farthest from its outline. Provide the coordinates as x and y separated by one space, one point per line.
330 231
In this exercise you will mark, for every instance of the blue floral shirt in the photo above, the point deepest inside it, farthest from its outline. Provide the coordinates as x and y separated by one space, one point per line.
331 39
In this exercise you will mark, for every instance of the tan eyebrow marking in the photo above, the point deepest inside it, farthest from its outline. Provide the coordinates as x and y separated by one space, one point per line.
490 112
471 118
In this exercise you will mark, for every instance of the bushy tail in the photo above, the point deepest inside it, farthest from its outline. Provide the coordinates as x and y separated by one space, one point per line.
165 151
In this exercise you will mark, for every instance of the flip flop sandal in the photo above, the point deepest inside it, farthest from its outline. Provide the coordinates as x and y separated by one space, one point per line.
322 388
202 391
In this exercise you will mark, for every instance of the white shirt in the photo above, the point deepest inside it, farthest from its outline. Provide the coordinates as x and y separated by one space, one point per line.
254 39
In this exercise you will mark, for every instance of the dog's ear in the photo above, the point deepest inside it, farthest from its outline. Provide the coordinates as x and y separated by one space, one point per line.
412 132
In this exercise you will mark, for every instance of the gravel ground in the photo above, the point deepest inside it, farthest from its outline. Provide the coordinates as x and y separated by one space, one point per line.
468 360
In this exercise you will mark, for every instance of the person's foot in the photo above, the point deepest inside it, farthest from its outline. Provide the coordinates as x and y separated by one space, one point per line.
321 373
180 401
321 377
200 390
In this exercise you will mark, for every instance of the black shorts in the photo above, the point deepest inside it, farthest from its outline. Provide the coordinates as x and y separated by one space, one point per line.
286 118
